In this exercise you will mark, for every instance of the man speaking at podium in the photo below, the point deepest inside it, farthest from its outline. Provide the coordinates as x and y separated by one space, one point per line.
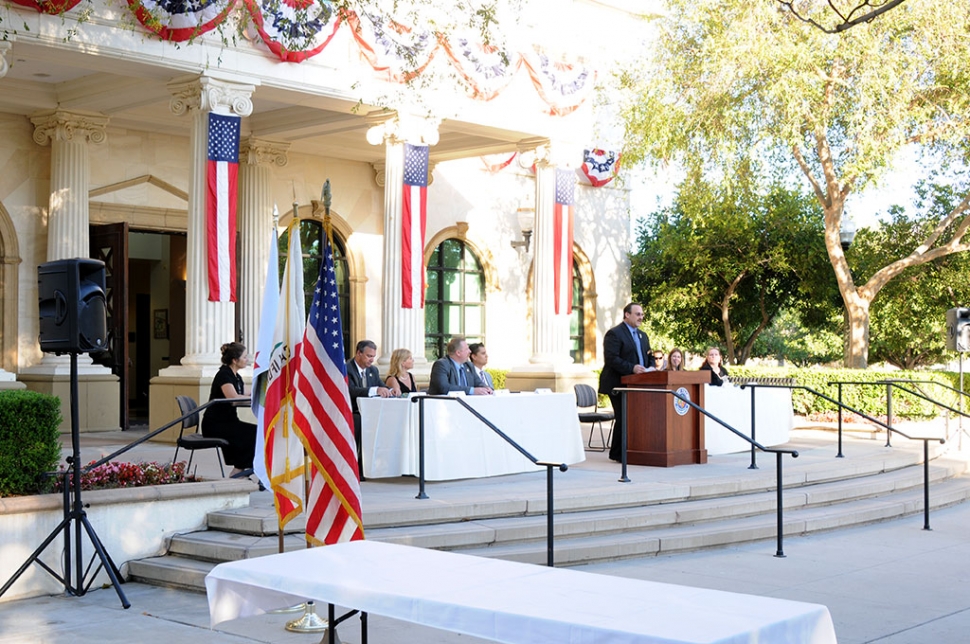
626 350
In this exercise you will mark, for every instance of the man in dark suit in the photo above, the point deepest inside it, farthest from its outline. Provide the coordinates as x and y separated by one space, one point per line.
363 381
479 358
626 350
454 373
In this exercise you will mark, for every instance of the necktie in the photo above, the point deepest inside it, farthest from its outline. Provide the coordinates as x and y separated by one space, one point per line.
636 341
461 376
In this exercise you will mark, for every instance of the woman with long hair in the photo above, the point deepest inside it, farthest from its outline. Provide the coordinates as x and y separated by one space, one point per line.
712 363
399 379
221 420
675 360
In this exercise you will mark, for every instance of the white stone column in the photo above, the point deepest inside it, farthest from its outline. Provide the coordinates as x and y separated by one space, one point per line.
68 134
68 236
400 327
208 325
255 220
550 332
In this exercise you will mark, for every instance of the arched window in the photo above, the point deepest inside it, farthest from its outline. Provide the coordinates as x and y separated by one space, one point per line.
454 303
311 241
577 321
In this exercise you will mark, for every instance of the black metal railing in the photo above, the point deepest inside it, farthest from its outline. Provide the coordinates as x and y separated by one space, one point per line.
420 400
780 551
887 426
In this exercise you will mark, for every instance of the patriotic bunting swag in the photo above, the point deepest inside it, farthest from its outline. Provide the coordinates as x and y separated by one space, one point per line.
562 236
179 20
482 66
294 30
283 450
52 7
563 86
222 171
324 420
398 51
414 217
600 166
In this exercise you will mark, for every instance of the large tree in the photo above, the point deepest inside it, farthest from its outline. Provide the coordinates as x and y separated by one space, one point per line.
908 318
733 79
722 262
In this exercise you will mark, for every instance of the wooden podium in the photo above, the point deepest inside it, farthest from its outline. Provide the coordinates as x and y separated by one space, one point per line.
663 431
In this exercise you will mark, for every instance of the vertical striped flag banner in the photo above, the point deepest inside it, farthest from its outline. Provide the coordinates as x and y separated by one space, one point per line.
285 461
222 170
414 219
324 420
263 352
562 239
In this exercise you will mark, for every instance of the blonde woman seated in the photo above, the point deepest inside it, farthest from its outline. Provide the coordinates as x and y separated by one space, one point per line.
675 360
399 379
713 364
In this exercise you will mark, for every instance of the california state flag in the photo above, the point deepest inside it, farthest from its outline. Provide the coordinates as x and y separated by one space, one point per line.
283 449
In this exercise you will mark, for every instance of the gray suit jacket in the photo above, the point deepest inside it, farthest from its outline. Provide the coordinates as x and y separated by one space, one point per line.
361 387
444 377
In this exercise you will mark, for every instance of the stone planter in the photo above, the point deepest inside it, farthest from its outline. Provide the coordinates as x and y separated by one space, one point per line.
133 523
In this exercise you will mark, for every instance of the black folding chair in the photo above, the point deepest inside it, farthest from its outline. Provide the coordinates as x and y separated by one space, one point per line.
195 440
586 399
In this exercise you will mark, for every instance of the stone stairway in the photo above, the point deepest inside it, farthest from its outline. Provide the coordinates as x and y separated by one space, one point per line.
598 519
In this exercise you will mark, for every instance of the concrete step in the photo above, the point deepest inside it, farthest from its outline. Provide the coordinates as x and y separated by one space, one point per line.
171 570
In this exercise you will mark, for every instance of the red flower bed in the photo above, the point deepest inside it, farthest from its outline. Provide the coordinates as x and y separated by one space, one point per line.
120 474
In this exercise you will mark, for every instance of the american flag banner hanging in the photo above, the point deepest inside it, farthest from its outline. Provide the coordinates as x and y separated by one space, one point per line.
222 170
562 239
324 420
414 218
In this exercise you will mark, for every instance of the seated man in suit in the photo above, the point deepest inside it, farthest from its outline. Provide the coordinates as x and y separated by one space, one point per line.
454 373
479 358
363 381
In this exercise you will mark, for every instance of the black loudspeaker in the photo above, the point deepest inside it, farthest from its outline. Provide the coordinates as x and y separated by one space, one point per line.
958 329
73 311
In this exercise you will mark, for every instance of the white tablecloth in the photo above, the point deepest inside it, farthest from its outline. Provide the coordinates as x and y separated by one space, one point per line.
773 415
458 445
507 601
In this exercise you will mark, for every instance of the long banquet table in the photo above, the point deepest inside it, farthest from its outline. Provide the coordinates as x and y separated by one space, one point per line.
774 417
507 601
458 445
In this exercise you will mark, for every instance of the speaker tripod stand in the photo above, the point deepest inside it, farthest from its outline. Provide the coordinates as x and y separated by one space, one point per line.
76 517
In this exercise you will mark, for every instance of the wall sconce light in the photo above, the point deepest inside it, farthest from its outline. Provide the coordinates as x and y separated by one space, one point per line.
526 217
846 232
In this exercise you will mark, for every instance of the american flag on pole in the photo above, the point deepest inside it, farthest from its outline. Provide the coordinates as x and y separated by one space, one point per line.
283 450
324 420
562 239
414 218
222 170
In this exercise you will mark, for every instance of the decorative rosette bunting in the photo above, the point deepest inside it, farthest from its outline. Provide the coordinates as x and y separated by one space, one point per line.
179 20
563 86
294 30
400 52
600 166
52 7
482 66
497 162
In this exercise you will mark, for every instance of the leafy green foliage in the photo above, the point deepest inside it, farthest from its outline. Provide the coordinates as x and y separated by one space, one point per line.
721 263
29 445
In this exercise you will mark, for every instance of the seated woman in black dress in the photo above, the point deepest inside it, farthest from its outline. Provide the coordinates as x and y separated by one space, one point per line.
712 363
221 420
399 380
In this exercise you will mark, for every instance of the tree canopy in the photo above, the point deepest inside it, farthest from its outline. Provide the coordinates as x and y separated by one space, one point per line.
721 263
728 81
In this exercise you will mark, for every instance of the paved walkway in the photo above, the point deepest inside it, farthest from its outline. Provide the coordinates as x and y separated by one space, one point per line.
892 583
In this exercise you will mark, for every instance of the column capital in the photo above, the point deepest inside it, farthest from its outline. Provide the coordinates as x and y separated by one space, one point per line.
64 125
208 94
381 178
396 127
5 47
544 153
255 151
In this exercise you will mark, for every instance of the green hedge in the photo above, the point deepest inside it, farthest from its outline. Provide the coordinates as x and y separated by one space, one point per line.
29 445
869 399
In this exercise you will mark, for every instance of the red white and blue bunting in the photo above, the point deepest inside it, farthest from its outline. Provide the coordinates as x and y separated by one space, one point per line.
180 20
562 85
53 7
484 67
294 30
398 51
600 166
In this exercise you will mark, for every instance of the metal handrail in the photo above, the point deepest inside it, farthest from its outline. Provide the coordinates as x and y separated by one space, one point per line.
156 432
889 429
780 551
549 480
